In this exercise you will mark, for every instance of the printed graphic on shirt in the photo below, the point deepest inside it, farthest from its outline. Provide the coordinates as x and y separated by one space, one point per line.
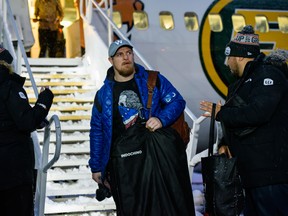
129 107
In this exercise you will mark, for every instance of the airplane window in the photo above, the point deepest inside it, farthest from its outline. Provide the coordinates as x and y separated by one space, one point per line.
117 19
283 24
238 22
140 20
191 21
215 22
261 24
166 20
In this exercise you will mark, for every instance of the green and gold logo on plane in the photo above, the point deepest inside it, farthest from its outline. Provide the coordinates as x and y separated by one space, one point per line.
212 44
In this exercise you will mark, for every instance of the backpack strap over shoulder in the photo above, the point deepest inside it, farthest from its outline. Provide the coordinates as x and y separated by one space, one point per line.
180 125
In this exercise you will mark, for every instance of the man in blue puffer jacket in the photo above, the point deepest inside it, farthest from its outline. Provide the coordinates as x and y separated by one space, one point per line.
122 101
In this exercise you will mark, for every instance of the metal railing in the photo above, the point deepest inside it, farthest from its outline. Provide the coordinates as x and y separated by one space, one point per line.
8 16
87 17
45 165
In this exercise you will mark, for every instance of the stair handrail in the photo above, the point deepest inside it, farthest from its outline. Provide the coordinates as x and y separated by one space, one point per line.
22 49
56 156
7 41
45 165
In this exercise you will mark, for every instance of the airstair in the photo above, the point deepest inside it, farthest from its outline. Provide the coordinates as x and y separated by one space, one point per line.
70 189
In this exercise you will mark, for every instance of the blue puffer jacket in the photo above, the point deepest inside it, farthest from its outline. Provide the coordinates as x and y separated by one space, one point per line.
167 105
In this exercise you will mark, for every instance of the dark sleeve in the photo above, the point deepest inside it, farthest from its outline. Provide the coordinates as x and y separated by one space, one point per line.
97 103
26 118
96 137
263 101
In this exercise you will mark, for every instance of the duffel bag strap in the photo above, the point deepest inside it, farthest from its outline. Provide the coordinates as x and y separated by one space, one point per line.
152 77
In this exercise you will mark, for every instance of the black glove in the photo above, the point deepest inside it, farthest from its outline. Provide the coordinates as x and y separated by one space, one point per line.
45 99
43 124
102 192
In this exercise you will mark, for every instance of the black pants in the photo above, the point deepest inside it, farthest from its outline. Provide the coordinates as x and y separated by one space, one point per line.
47 40
111 178
17 201
271 200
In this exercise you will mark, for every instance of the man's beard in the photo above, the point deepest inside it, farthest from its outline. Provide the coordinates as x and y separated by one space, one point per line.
126 70
235 72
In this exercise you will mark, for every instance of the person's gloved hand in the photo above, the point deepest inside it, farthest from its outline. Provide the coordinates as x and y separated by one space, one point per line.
43 124
45 98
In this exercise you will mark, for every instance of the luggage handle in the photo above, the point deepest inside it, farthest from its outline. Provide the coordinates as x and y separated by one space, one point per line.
211 132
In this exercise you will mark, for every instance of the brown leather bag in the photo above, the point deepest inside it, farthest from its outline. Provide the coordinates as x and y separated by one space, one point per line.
180 125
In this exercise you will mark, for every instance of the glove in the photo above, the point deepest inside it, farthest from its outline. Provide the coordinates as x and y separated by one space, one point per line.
45 99
43 124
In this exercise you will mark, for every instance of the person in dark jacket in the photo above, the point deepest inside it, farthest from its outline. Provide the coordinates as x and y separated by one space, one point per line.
121 102
17 120
49 13
255 123
278 58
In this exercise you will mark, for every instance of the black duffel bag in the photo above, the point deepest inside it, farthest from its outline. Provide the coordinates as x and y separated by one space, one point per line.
223 190
151 173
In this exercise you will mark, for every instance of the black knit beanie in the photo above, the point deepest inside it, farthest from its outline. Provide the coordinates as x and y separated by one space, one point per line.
5 55
244 44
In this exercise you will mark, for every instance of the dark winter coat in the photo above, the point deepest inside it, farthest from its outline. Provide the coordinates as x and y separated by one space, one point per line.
255 120
50 13
166 110
17 120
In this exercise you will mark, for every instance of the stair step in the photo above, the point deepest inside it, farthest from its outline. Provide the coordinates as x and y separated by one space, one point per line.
40 84
70 108
71 162
66 139
71 149
68 176
66 100
65 91
65 192
72 128
74 117
55 69
76 173
80 204
81 186
51 62
57 76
